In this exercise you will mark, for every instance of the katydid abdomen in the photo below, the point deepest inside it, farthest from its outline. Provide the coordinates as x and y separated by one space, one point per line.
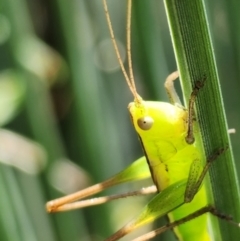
162 128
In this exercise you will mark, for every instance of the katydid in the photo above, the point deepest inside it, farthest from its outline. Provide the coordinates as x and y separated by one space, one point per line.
173 159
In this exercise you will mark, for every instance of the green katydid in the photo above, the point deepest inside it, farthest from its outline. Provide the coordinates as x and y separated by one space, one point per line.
173 159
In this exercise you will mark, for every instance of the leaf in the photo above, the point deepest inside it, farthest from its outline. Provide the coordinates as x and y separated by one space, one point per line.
196 61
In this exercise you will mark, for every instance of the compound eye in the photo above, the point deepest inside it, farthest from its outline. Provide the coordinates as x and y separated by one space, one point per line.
145 123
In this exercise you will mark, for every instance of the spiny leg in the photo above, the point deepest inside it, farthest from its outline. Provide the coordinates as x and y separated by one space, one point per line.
185 219
174 99
198 85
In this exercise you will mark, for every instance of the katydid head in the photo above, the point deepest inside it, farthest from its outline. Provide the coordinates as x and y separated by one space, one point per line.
153 118
158 119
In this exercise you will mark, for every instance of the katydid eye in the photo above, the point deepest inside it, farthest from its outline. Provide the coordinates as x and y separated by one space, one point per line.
145 123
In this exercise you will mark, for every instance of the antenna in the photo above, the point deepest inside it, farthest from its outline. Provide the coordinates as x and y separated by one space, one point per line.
129 11
130 80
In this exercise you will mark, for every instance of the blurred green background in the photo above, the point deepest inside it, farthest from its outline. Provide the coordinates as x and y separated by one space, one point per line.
63 100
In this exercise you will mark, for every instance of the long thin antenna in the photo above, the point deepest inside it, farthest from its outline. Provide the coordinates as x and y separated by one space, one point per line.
130 81
129 14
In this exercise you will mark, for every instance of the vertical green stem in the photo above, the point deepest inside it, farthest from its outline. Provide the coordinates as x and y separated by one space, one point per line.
195 60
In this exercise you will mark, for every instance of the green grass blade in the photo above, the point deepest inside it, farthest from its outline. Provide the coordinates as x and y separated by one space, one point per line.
195 59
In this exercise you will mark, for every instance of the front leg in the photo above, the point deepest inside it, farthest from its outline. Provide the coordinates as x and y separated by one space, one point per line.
169 86
198 85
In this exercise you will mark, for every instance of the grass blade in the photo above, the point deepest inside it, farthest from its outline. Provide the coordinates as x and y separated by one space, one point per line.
195 59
